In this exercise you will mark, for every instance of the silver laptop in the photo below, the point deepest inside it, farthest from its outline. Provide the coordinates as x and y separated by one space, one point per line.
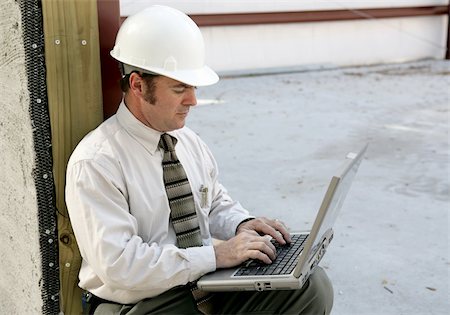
295 262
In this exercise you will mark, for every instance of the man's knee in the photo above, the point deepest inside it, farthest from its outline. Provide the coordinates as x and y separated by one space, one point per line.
321 294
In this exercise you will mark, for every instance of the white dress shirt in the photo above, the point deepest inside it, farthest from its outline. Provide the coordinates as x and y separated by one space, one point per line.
120 214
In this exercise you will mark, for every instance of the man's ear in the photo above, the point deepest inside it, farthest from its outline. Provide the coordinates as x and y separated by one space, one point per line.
136 84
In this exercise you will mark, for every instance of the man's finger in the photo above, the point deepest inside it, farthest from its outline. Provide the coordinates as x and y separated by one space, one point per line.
266 228
281 227
256 254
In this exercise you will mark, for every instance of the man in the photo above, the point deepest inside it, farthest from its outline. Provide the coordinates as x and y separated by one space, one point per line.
144 198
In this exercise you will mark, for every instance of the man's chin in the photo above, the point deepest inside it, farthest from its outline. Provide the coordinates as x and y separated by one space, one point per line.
180 125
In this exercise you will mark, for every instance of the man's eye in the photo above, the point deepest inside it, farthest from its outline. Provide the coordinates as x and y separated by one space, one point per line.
182 89
179 90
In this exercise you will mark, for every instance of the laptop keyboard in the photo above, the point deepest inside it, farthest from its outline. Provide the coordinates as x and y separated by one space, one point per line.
284 263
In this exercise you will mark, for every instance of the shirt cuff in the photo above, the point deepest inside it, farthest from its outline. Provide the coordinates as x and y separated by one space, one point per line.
202 260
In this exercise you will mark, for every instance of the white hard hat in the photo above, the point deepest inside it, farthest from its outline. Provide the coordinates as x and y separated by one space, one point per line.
164 41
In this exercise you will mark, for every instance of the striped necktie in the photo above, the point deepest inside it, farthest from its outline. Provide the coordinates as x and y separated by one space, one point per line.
182 210
181 201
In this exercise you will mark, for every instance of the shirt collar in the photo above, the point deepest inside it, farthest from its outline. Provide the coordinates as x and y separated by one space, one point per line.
146 136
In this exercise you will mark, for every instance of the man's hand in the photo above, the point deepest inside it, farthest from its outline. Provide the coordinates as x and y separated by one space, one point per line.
265 226
246 245
252 241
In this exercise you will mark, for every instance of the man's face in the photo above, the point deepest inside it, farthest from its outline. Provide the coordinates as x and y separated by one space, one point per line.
172 101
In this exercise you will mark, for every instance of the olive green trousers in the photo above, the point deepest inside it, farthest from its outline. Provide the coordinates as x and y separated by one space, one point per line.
316 297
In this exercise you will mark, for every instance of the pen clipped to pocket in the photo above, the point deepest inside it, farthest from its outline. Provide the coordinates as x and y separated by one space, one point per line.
204 196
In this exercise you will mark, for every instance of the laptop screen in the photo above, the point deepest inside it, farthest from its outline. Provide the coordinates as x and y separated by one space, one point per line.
332 202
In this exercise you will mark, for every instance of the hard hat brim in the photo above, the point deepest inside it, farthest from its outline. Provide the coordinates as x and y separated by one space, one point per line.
195 77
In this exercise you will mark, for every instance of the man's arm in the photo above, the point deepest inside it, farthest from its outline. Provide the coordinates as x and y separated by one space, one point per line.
107 235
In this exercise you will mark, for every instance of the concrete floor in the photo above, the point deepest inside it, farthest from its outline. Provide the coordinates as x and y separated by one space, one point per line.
278 138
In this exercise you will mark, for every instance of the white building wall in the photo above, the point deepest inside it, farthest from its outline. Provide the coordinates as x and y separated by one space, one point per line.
20 262
342 43
255 48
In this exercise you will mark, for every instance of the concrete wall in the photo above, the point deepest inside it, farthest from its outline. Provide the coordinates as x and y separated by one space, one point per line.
20 262
256 48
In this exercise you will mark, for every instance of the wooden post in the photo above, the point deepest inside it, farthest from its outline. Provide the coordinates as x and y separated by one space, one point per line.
75 105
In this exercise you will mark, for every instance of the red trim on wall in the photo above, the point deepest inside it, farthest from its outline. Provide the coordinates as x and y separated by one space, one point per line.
447 54
314 16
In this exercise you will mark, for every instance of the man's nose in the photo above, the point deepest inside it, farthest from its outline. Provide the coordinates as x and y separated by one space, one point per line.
190 98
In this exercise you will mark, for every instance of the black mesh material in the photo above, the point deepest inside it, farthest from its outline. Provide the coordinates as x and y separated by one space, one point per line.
33 34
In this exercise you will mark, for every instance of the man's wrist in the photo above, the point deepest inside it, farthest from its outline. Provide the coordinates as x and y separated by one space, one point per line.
242 222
